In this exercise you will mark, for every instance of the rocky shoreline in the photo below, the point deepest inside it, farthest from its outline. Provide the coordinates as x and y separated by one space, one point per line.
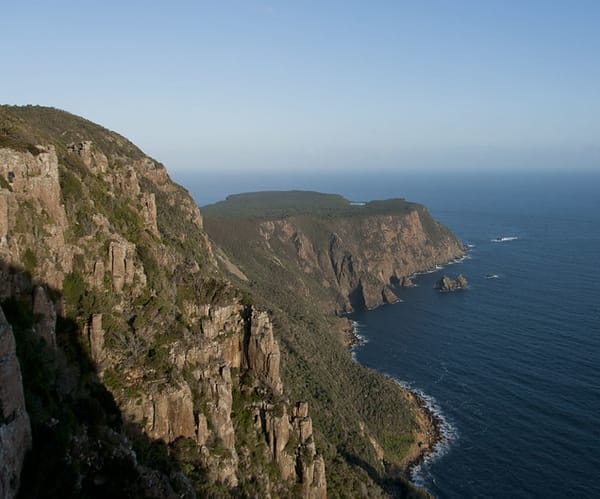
429 425
428 434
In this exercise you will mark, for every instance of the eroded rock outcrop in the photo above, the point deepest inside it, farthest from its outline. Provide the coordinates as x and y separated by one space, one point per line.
262 351
447 284
33 222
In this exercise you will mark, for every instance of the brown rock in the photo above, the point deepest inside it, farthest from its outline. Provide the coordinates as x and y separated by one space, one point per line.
148 201
166 414
93 158
202 434
357 257
301 410
262 353
388 295
447 284
319 483
120 258
98 277
406 282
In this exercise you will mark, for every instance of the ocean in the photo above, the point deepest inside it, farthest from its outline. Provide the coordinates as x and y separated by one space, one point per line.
511 364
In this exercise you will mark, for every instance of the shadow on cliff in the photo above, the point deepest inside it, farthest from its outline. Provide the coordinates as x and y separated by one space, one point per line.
394 483
80 447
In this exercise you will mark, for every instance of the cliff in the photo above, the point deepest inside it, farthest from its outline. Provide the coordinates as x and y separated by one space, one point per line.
144 371
356 252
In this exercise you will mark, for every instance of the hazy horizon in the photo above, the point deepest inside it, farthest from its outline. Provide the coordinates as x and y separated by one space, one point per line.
259 86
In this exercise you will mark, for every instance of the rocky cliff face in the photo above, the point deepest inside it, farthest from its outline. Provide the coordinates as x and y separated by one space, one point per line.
110 277
361 258
349 256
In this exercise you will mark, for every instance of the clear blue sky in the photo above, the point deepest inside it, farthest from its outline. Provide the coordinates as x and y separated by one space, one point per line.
310 85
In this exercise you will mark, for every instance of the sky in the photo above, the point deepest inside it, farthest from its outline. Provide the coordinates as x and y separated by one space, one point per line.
319 85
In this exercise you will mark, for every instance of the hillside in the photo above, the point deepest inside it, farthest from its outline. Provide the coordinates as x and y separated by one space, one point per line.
141 359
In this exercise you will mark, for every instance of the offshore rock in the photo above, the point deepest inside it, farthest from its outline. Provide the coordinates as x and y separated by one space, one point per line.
15 429
447 284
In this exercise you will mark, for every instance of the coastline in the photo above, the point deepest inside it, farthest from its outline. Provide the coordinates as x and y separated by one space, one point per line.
427 434
429 425
431 430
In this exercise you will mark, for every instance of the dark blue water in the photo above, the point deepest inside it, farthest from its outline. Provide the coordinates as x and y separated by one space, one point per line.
512 363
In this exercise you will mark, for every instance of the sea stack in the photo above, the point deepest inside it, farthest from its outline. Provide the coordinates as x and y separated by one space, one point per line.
447 284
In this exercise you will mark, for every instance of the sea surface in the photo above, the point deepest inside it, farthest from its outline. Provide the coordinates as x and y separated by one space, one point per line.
511 364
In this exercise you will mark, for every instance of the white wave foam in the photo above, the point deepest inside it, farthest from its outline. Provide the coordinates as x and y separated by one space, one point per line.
504 239
438 267
460 260
420 473
361 339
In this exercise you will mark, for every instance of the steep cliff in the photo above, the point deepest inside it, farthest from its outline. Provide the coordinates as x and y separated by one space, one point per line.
356 253
136 354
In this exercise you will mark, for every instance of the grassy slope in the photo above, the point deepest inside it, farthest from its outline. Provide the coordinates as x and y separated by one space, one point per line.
275 205
22 127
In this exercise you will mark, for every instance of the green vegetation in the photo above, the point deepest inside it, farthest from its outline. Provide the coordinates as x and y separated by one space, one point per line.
29 260
276 205
24 127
